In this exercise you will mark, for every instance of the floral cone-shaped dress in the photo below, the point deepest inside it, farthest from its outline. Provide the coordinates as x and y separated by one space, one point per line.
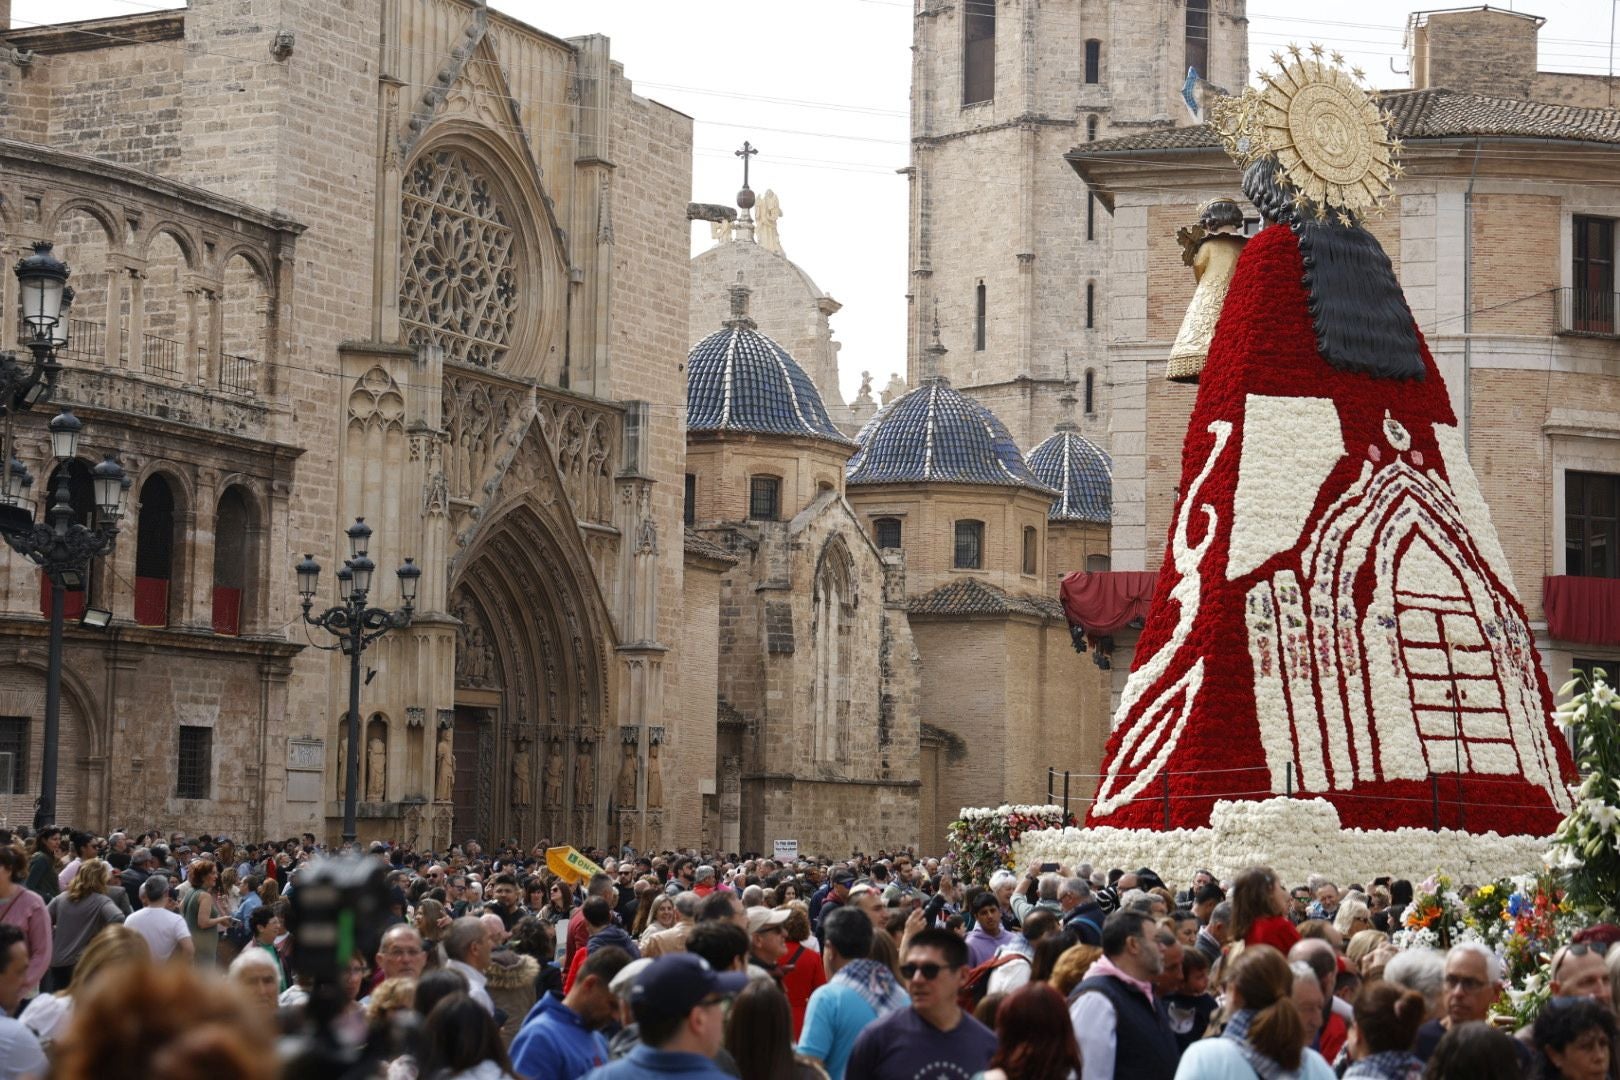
1334 615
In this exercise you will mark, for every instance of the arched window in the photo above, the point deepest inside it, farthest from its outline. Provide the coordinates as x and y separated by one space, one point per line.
1091 305
82 497
886 532
1198 36
979 52
154 553
244 343
1031 549
834 601
168 332
1091 392
969 546
233 561
1091 128
83 242
1093 61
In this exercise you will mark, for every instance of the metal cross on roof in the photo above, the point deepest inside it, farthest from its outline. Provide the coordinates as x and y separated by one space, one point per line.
745 153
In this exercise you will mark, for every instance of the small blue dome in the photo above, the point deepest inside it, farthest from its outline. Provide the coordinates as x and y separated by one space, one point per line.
936 434
737 379
1081 472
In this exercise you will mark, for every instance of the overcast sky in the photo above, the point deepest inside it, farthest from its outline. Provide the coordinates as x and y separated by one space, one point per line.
821 88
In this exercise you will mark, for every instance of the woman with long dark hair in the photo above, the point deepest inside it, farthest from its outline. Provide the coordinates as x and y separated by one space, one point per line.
759 1036
1264 1033
1260 910
1034 1037
461 1042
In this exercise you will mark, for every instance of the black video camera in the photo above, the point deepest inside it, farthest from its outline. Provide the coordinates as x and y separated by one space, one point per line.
338 908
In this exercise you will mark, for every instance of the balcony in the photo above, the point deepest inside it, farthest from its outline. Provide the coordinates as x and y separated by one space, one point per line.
1587 313
238 375
1583 609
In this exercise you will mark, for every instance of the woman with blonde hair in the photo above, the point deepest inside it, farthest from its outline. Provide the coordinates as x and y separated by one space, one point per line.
114 948
1072 966
1362 946
1353 918
653 916
77 916
165 1020
1264 1035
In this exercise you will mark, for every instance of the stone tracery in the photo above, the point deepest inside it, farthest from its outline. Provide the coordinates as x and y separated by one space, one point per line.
459 272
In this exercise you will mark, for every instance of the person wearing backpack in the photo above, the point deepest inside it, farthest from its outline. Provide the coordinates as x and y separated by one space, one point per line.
1082 913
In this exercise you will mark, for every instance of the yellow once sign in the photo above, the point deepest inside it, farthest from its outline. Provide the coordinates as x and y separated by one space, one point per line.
568 864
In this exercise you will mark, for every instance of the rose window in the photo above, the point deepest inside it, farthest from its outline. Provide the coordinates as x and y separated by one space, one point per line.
459 274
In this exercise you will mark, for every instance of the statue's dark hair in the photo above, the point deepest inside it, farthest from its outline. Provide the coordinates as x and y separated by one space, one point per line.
1222 213
1360 314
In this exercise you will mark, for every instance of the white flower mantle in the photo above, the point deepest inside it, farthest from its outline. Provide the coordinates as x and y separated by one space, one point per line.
1296 837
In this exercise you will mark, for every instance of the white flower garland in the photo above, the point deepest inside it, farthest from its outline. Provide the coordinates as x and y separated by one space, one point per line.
1295 837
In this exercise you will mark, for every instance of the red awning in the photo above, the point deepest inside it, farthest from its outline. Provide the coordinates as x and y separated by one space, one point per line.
1106 602
1583 609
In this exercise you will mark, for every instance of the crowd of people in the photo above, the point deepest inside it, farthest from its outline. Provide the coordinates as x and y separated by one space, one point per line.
178 957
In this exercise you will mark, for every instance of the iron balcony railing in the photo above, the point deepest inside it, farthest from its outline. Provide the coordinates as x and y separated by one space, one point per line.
160 356
238 374
87 340
1588 312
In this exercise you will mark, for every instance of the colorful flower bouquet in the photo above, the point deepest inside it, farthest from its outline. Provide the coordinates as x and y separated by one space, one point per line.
1587 843
982 840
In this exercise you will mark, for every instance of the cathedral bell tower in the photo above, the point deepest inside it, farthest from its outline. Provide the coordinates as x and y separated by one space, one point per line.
1004 237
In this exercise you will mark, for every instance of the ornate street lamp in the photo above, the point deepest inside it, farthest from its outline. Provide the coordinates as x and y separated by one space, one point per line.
60 546
355 626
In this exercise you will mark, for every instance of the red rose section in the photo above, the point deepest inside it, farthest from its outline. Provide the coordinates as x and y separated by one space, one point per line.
1334 616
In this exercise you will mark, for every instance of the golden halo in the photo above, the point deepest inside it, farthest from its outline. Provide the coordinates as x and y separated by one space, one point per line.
1329 138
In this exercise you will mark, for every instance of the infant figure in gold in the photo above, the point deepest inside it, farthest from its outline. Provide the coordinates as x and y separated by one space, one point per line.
1211 248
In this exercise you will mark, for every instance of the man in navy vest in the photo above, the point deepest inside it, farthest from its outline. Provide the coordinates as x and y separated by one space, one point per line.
1115 1019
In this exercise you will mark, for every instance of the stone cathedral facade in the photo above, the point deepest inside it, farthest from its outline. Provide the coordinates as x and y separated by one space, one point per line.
410 260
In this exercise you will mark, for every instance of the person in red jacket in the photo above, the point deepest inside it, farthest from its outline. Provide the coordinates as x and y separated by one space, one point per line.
799 965
1260 910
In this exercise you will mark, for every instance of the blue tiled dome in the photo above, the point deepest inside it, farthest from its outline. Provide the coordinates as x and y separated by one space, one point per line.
1081 472
938 434
737 379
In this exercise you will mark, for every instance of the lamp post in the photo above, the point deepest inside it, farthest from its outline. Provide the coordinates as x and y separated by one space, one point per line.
58 545
356 626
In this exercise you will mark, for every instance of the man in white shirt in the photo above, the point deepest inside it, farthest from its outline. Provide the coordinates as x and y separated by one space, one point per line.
164 930
468 947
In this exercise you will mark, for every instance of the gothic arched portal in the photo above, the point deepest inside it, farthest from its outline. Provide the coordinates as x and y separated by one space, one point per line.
531 689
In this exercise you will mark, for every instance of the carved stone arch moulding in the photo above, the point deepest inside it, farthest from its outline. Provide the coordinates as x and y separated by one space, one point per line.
482 271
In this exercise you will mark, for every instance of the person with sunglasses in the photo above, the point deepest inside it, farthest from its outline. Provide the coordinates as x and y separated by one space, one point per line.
934 1037
1578 971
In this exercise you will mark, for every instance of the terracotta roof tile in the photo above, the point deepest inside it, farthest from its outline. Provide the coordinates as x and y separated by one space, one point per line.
970 596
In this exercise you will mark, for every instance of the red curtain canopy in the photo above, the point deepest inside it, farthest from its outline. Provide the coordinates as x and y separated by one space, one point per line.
1583 609
1106 602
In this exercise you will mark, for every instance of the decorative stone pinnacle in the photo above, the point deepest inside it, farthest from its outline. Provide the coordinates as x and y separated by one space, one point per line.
739 305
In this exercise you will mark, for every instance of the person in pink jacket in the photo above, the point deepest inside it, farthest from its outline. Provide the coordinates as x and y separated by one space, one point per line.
25 910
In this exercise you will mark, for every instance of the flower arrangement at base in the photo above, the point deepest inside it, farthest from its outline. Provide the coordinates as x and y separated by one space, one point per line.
983 840
1436 918
1586 845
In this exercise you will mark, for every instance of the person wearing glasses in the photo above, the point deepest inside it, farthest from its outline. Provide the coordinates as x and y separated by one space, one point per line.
934 1037
1473 983
679 1004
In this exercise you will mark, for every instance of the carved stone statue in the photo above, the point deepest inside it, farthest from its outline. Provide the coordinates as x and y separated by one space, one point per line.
522 785
768 213
554 777
655 779
865 396
342 759
720 231
584 777
444 770
376 770
475 656
627 778
895 389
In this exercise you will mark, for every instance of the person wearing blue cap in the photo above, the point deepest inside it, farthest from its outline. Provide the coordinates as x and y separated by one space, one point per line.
678 1002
